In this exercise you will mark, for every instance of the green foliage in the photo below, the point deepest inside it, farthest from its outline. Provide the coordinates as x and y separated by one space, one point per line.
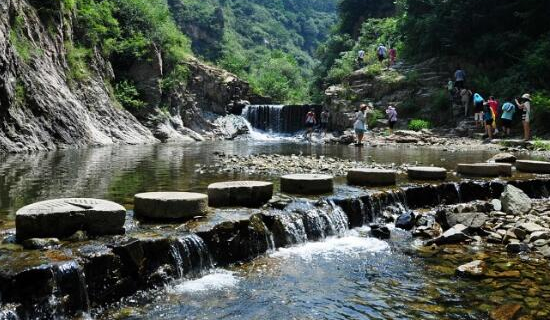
278 76
541 109
128 96
539 144
353 13
176 78
373 117
77 59
418 124
23 46
20 93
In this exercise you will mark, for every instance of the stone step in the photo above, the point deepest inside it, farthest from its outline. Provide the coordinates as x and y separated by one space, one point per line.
307 184
427 173
170 205
371 177
240 193
485 169
530 166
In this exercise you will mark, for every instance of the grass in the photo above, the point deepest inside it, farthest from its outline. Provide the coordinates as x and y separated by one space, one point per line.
539 144
20 93
77 59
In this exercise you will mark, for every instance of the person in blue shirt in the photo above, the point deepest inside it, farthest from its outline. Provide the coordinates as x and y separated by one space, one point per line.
508 111
478 110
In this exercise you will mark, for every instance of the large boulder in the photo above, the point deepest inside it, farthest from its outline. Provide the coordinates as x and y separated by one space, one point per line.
515 201
503 158
472 220
240 193
170 205
61 218
427 173
372 177
533 166
308 184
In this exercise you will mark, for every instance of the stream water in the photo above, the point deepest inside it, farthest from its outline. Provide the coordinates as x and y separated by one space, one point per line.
350 276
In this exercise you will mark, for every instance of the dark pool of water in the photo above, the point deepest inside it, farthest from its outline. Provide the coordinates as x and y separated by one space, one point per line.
118 172
353 277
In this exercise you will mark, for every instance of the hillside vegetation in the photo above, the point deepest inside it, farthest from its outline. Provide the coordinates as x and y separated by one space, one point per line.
268 42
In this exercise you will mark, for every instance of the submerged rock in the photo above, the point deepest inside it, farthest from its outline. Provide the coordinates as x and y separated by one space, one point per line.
505 312
40 243
475 268
515 201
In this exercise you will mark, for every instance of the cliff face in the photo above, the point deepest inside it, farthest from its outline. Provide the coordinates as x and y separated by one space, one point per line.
42 106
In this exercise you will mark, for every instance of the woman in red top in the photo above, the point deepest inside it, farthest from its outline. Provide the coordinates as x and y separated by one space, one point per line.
493 104
393 56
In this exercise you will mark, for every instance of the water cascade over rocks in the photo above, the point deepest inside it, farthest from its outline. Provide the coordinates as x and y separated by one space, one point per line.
282 119
102 271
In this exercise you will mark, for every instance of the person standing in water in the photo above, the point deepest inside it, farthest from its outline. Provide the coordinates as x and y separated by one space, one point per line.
325 115
508 111
391 112
311 121
525 107
359 123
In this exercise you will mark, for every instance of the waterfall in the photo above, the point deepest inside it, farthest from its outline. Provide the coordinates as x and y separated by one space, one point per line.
278 119
190 255
70 294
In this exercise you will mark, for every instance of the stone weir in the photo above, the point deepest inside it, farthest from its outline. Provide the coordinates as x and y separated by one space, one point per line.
287 119
80 274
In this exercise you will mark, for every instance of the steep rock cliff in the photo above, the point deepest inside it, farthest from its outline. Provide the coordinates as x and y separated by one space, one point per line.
43 106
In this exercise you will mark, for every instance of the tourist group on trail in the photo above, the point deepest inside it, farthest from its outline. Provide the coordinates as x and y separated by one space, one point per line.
489 114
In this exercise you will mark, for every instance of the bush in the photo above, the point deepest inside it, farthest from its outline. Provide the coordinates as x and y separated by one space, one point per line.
418 124
541 109
77 59
128 96
539 144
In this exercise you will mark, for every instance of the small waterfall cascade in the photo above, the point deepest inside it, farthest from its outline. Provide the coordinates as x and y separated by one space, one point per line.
278 119
70 294
190 256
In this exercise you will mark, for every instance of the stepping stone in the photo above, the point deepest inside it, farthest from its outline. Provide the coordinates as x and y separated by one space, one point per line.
485 169
307 184
372 177
61 218
170 205
250 194
427 173
533 166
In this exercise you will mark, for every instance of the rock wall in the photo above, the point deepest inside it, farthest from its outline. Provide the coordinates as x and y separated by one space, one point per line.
43 107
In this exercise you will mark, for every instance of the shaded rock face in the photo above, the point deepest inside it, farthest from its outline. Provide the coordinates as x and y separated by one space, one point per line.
42 106
39 106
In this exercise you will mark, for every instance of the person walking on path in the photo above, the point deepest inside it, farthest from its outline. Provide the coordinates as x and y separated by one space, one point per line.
391 112
508 111
393 56
478 109
460 78
465 97
359 123
488 119
381 52
311 121
361 58
325 115
525 107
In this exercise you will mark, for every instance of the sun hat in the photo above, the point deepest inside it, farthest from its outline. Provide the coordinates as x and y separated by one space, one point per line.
526 96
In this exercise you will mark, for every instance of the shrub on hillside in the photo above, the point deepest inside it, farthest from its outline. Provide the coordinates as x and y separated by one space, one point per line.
418 124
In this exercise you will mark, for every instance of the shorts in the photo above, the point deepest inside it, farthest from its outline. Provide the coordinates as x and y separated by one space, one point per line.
506 123
310 125
323 125
380 57
489 122
360 131
478 116
525 118
392 124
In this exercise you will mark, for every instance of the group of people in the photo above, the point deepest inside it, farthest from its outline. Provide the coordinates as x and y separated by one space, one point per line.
488 114
382 53
360 125
312 123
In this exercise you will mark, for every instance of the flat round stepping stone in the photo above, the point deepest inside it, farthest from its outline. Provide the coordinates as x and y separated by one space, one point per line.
240 193
372 177
61 218
531 166
427 173
485 169
170 205
307 184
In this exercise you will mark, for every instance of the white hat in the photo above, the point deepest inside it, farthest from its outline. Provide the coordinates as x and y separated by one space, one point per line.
526 96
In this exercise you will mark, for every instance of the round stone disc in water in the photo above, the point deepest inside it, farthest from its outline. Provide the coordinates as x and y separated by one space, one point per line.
240 193
63 217
485 169
308 184
372 177
427 173
530 166
170 205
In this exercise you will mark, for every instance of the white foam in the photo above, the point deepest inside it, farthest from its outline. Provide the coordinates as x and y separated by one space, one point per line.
334 248
217 280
